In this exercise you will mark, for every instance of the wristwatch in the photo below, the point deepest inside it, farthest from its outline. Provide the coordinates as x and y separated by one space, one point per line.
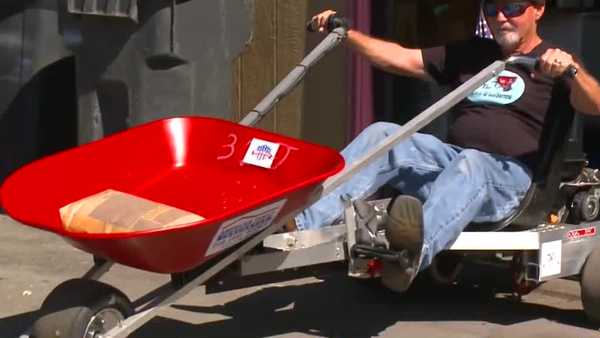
571 71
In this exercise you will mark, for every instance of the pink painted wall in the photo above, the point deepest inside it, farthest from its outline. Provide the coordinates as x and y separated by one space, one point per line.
360 73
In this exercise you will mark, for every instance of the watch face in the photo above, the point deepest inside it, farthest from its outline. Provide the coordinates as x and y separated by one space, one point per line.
571 71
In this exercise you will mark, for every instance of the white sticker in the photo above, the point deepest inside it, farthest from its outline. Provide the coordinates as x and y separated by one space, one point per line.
261 153
550 259
240 228
503 89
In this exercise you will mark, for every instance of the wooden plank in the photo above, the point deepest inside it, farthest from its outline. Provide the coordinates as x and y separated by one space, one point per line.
326 101
259 61
278 43
291 46
236 90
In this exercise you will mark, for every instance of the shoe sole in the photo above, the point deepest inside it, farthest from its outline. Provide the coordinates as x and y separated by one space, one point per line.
405 223
404 232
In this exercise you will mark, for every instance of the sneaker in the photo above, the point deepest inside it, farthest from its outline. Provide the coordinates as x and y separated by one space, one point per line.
404 232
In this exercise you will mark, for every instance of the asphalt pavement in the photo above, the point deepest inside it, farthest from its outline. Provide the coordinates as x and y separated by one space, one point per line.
324 303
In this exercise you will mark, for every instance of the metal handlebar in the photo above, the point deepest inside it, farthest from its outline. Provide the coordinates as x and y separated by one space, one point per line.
530 62
533 64
333 22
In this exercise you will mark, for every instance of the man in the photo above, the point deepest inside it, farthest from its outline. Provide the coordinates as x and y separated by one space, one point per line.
482 174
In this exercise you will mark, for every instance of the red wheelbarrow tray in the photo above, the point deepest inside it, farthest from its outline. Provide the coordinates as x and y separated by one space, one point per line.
191 163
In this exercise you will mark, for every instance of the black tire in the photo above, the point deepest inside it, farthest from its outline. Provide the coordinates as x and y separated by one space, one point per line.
445 269
585 207
71 310
590 286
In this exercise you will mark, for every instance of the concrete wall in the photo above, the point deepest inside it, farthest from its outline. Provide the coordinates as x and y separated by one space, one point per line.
37 95
175 61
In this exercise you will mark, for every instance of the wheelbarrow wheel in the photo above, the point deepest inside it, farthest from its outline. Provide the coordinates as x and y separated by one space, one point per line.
81 308
590 286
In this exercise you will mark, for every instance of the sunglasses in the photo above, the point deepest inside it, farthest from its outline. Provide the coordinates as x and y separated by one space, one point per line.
510 10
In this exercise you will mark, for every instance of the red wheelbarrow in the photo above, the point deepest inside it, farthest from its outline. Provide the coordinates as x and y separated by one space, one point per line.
193 163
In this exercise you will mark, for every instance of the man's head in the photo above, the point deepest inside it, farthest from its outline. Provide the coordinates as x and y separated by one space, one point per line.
513 22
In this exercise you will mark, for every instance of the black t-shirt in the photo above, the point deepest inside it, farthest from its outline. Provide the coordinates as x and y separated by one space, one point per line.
506 115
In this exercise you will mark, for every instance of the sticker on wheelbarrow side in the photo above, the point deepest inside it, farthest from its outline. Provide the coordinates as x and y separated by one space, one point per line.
550 259
240 228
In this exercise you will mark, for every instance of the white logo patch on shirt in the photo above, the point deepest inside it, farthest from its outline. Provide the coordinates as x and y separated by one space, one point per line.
504 89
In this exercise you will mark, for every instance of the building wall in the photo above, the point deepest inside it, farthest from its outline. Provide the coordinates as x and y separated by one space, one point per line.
37 94
316 109
175 60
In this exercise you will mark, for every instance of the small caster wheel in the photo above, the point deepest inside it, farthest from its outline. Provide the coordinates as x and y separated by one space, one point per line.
81 308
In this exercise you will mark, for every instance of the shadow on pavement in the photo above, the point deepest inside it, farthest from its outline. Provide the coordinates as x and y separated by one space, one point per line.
342 307
338 306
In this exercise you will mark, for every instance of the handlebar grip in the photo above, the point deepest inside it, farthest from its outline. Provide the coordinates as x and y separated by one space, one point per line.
333 22
531 63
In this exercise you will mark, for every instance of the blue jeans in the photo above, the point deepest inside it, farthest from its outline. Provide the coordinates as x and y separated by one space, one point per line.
458 186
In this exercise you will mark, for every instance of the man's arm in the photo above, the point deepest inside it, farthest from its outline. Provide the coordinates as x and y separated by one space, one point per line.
585 90
386 55
389 56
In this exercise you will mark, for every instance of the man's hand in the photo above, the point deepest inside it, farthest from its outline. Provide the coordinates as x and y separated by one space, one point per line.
554 62
585 89
319 21
389 56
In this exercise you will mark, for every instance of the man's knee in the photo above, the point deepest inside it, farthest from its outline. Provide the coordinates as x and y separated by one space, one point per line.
471 162
374 134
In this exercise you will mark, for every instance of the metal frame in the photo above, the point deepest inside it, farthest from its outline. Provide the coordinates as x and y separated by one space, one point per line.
573 243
